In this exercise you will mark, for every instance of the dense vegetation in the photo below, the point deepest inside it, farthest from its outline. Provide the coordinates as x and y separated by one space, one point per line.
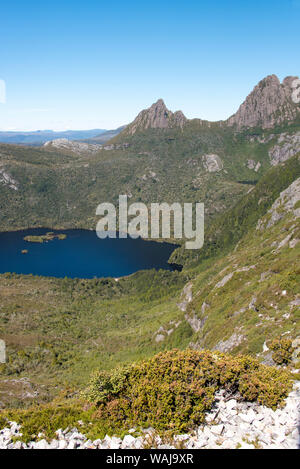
58 189
57 331
228 228
171 391
44 238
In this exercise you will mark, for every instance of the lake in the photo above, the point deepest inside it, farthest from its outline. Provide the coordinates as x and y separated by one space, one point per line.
81 255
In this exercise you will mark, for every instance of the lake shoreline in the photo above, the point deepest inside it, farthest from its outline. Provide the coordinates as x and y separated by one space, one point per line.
81 254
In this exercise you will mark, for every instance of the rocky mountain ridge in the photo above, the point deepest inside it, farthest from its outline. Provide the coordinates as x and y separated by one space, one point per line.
156 116
269 104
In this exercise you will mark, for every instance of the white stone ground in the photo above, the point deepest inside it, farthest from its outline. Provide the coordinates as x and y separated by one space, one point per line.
229 425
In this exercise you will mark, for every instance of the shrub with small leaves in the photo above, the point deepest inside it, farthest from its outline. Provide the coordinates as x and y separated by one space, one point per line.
173 390
282 351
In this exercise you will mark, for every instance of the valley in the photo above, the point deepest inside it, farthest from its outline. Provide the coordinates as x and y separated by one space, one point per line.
236 295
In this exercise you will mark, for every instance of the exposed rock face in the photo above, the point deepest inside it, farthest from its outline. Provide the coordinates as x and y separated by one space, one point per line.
195 323
159 338
156 117
212 163
114 146
2 351
76 147
164 331
224 280
191 318
150 175
251 164
229 344
284 203
186 296
270 103
8 180
229 276
286 147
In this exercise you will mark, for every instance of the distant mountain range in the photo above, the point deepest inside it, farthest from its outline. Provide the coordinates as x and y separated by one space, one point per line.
105 136
39 137
270 104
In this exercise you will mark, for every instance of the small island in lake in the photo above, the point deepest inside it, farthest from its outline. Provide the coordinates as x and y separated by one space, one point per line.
44 238
24 251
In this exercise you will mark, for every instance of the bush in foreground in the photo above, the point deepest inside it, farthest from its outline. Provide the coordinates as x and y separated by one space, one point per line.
171 392
174 389
282 351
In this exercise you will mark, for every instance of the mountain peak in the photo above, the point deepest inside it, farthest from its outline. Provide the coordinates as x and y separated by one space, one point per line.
157 116
159 103
269 104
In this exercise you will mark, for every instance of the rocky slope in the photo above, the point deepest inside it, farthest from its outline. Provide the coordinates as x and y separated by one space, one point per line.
263 266
73 146
155 117
230 425
270 103
286 146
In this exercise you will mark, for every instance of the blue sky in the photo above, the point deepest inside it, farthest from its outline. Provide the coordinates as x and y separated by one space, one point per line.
95 64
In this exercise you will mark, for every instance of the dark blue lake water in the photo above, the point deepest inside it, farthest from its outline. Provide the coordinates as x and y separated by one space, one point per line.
81 255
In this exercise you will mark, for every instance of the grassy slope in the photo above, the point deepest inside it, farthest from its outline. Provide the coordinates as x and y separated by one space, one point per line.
235 244
230 310
57 189
58 331
226 229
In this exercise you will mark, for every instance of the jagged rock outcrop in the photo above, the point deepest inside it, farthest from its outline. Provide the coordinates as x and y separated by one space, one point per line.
74 146
186 296
165 331
287 202
195 323
286 147
229 344
2 351
8 180
155 117
270 103
229 276
212 163
251 164
114 146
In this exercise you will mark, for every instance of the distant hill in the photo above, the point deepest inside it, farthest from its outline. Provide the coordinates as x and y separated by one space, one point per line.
160 156
39 137
105 136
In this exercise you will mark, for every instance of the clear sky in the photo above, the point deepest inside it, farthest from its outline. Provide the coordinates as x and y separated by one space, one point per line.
95 64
